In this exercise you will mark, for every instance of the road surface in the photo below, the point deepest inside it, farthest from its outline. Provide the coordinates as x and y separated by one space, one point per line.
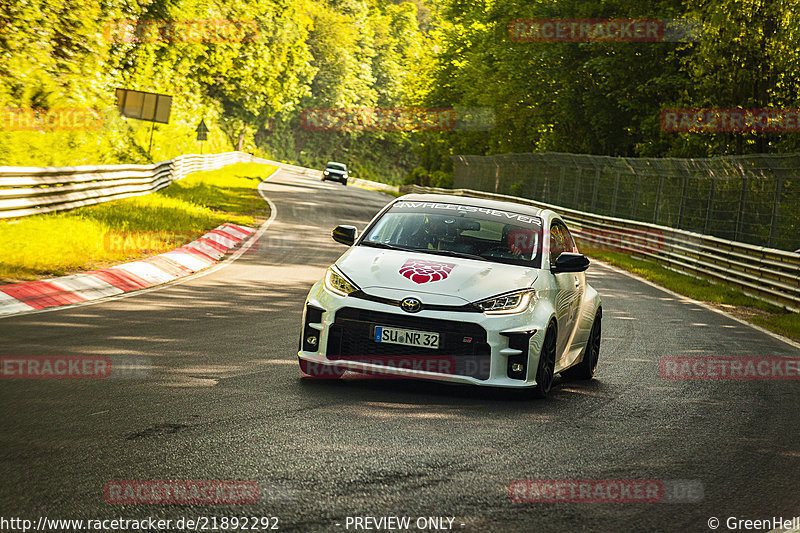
223 400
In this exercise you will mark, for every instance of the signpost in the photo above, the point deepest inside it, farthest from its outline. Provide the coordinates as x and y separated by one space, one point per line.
151 107
202 133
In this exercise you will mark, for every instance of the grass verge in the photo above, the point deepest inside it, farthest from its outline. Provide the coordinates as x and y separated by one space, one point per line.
124 230
729 299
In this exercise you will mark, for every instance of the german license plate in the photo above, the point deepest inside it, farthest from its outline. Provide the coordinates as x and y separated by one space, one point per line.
407 337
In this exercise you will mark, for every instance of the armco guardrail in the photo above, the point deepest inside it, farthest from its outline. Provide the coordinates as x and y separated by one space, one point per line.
766 273
367 184
751 198
30 190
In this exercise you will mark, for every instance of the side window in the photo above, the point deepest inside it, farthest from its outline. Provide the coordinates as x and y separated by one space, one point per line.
560 240
571 247
388 229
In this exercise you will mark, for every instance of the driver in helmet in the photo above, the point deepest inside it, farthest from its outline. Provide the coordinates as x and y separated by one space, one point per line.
437 233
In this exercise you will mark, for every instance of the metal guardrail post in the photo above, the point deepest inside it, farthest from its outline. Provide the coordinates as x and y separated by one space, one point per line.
614 198
658 199
740 213
775 210
685 187
710 208
776 199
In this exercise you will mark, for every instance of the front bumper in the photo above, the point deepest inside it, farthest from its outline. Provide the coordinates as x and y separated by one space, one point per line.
474 348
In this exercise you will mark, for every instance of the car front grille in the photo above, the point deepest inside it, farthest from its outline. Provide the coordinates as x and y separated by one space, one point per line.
462 345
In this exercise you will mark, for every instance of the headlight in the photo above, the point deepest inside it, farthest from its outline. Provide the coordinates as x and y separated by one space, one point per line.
336 283
326 172
506 304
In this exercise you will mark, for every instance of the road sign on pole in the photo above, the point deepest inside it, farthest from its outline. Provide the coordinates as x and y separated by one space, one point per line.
151 107
202 133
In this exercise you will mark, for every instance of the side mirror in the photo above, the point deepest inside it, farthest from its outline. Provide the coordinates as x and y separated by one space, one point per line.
345 234
570 262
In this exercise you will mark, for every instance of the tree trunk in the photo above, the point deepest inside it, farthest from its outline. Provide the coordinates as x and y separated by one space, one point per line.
240 143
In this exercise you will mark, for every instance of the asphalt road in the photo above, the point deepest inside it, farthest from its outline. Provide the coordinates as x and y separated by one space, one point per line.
223 400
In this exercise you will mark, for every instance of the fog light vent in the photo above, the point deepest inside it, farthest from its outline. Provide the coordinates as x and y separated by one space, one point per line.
517 363
310 337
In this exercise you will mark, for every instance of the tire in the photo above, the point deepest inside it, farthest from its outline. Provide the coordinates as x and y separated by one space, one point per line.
344 183
547 363
312 370
586 368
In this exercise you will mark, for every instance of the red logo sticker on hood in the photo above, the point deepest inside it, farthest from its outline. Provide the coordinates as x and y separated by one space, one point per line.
420 271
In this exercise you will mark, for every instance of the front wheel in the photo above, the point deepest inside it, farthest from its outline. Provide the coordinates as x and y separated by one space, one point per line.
547 363
587 367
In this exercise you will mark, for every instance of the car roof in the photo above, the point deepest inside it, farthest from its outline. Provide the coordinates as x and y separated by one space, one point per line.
336 163
479 202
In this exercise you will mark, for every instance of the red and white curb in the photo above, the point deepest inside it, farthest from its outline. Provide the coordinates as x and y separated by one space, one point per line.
184 261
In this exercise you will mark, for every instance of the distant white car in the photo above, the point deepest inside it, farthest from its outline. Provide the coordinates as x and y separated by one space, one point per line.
336 172
455 289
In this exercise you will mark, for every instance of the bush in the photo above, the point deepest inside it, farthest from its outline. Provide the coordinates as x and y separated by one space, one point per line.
437 178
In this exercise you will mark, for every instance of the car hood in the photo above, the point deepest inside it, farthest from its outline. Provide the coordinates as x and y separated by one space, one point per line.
443 279
335 171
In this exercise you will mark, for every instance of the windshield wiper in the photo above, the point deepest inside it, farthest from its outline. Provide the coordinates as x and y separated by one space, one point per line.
449 253
383 245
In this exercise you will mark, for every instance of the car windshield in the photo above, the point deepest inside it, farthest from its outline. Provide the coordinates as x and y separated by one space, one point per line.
461 231
336 166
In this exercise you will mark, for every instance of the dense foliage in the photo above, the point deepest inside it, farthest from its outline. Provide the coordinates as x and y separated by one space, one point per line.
586 97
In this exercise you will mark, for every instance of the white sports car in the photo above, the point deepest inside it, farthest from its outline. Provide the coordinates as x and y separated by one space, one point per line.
455 289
